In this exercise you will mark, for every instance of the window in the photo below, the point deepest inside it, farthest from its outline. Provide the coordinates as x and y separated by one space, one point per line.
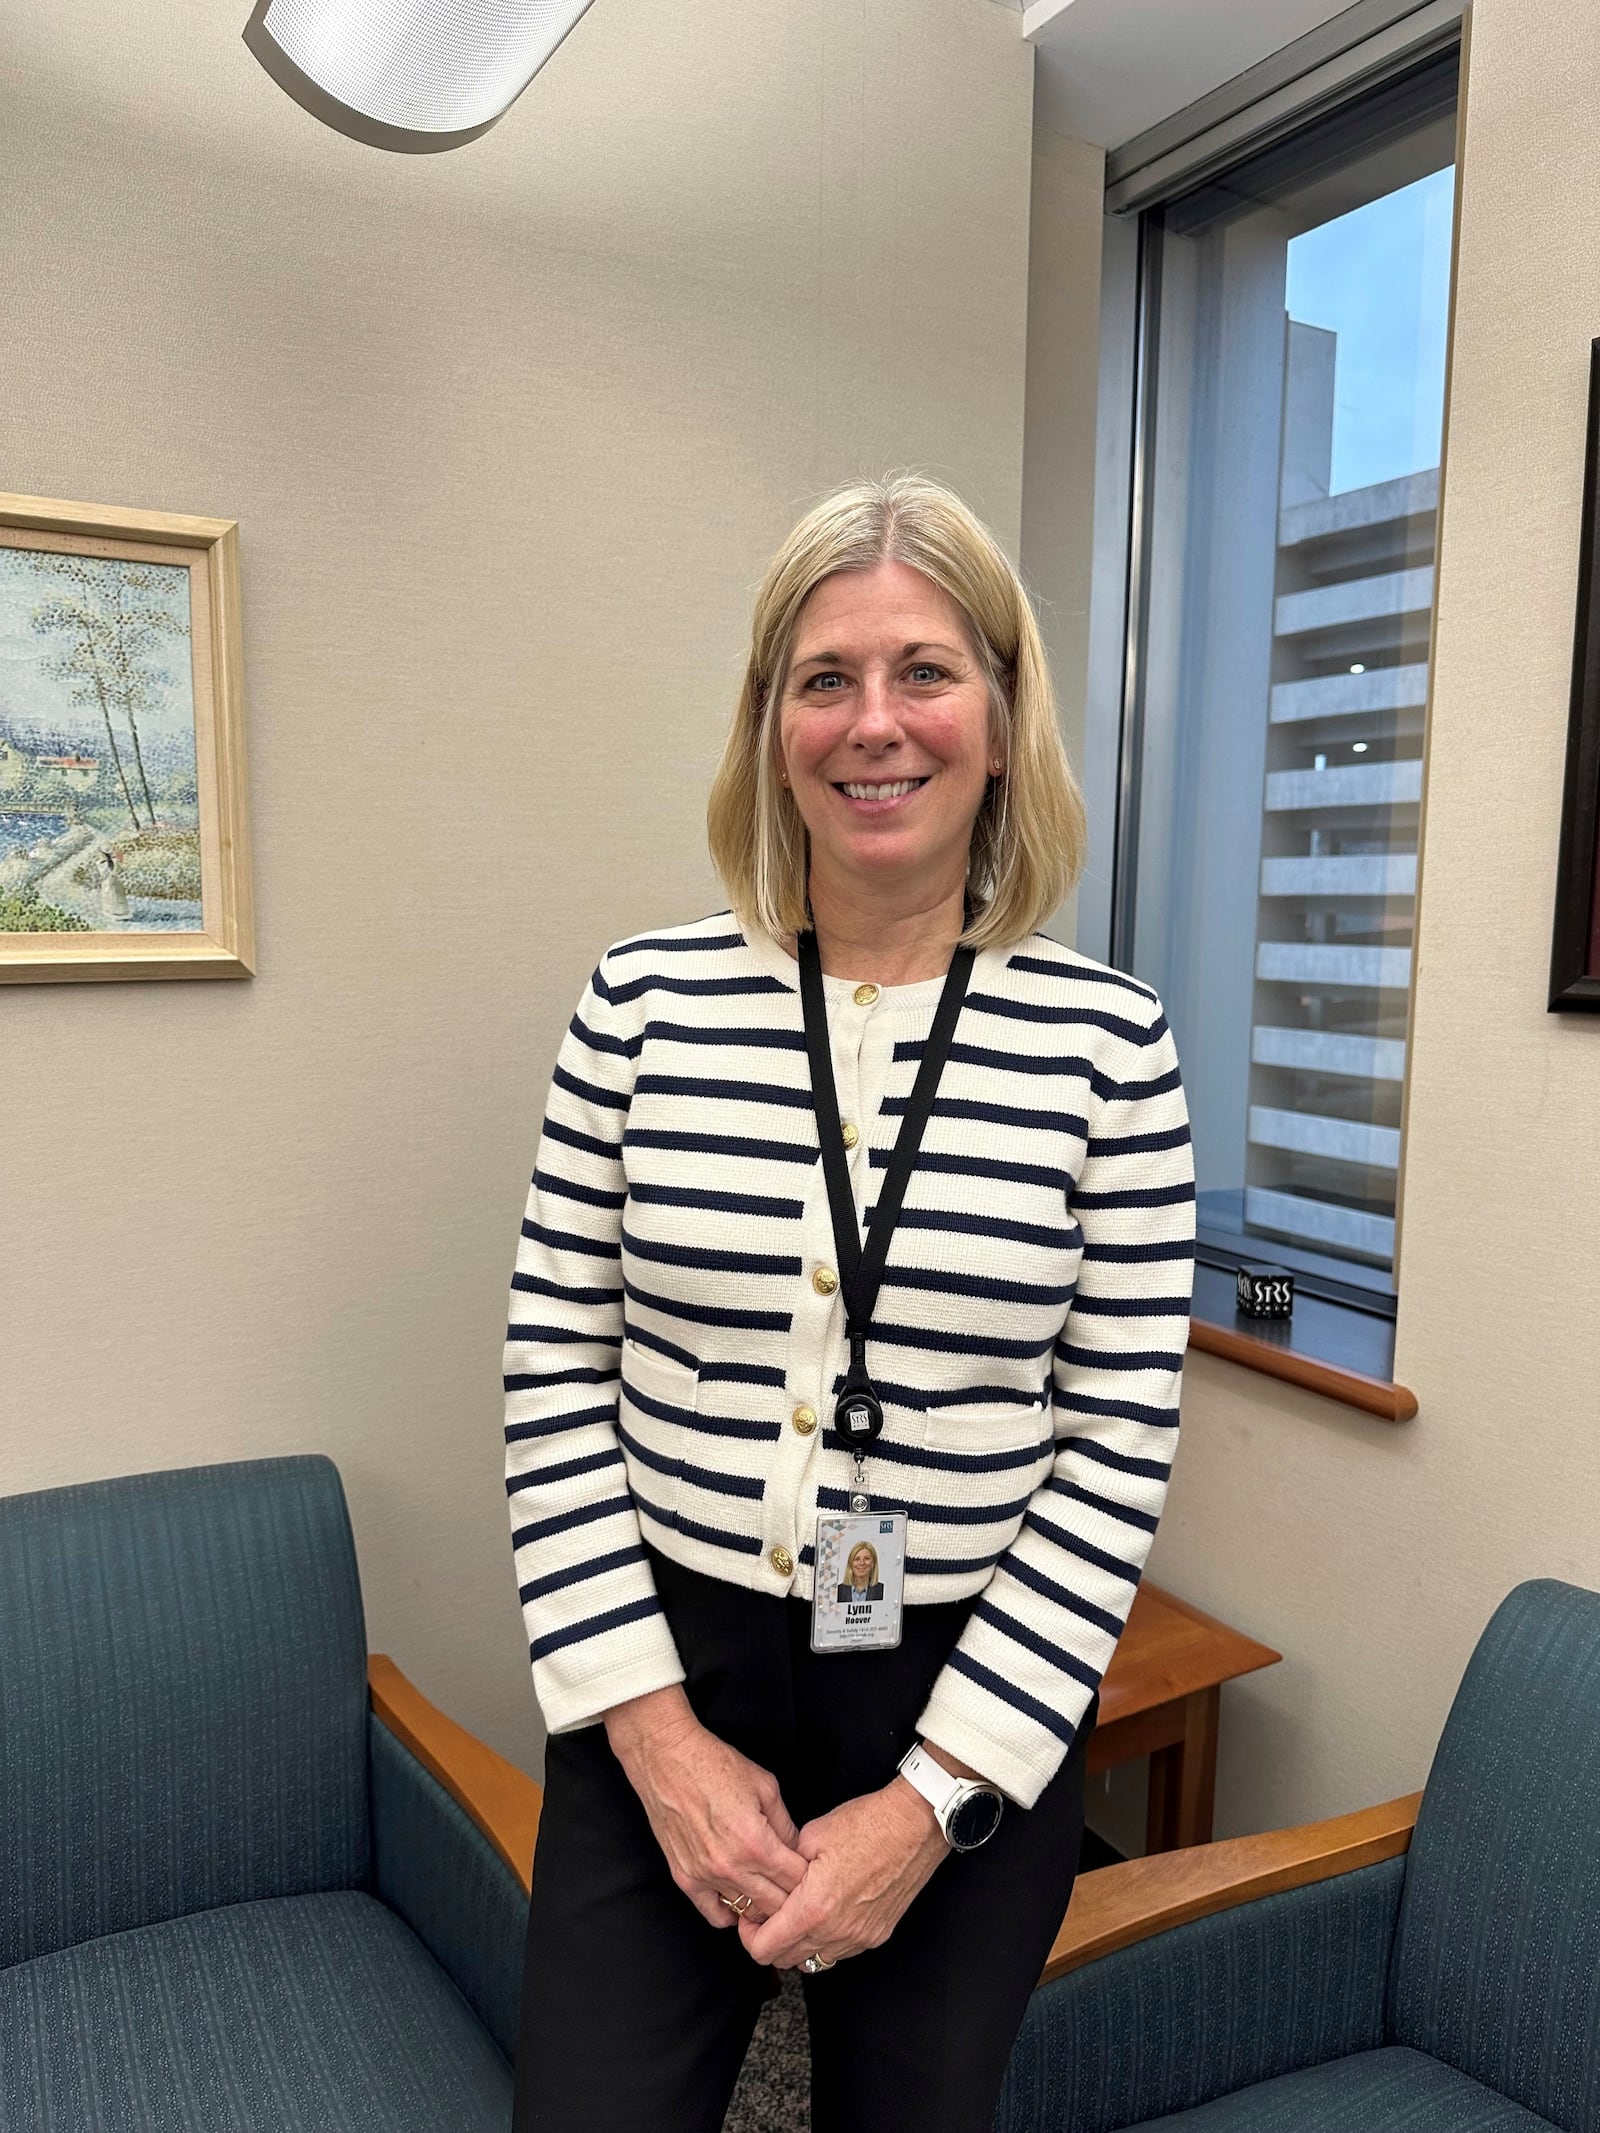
1269 708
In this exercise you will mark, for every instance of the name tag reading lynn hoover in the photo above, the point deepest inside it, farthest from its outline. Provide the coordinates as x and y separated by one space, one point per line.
860 1582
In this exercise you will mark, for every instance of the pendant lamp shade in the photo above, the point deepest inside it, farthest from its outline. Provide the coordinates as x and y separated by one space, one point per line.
416 75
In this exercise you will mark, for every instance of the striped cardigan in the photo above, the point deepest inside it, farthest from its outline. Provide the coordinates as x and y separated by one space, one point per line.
676 1330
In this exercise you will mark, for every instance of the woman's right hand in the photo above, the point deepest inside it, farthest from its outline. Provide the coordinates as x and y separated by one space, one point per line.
719 1818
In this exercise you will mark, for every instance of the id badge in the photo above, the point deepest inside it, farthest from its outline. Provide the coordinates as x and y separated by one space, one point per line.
859 1592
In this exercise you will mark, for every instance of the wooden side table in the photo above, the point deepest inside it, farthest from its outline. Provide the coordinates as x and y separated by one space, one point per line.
1161 1697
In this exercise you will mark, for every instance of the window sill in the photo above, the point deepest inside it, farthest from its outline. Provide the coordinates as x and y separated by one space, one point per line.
1328 1348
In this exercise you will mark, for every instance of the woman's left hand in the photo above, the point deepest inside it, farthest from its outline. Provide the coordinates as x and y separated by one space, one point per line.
867 1860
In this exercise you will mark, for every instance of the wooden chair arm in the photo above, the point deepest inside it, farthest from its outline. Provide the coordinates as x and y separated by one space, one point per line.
1114 1906
501 1799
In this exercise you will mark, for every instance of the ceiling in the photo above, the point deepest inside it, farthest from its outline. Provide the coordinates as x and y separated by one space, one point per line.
1107 69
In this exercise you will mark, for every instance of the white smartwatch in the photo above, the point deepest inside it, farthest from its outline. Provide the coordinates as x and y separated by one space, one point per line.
967 1810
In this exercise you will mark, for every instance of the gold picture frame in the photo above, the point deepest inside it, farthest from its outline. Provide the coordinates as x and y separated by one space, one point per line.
124 844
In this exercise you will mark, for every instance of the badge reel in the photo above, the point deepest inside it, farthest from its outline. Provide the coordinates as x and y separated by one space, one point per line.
858 1593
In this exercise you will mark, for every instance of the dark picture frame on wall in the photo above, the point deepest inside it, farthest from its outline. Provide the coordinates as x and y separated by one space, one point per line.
1575 950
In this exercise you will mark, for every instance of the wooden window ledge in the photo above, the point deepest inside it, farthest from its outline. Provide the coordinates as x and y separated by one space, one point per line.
1374 1396
1336 1349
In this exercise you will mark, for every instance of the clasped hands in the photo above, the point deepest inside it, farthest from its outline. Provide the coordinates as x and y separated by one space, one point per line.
834 1888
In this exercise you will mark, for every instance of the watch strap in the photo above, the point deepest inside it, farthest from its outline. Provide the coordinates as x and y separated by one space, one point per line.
927 1775
943 1790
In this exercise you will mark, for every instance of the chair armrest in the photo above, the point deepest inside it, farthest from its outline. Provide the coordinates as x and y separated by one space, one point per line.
1114 1906
502 1800
1192 1974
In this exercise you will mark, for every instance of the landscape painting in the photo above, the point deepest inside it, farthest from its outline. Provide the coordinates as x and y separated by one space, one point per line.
122 835
99 796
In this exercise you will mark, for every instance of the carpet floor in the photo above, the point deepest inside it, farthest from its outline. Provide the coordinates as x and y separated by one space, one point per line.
774 2092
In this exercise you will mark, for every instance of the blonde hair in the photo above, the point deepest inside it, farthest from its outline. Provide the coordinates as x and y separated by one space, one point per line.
1030 837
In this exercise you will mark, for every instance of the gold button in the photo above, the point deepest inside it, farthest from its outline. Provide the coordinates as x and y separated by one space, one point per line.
824 1281
848 1134
864 995
804 1420
782 1561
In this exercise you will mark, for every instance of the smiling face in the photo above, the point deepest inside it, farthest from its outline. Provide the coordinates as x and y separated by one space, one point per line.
884 731
862 1565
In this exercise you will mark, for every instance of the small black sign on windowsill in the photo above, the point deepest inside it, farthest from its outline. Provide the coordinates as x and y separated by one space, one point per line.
1265 1291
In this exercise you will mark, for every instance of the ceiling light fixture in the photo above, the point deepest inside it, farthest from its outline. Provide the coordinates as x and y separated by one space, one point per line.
413 75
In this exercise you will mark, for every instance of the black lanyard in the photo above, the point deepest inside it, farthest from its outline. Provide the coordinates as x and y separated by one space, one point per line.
858 1414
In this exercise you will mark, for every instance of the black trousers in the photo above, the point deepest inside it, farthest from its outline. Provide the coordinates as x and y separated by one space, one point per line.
636 2013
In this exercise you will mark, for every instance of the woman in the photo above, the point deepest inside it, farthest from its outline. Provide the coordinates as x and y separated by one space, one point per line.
861 1575
114 906
710 1377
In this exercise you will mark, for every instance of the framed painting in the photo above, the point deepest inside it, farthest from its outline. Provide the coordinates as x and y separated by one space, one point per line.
1575 951
124 850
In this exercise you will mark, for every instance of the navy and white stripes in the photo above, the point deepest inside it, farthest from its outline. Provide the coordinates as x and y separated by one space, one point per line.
675 1335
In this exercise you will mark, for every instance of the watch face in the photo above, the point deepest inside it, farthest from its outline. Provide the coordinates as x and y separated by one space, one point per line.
974 1820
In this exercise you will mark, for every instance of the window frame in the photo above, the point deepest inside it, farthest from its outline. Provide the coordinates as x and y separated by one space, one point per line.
1373 43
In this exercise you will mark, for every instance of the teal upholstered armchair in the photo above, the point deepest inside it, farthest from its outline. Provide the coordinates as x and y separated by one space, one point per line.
1362 1975
239 1888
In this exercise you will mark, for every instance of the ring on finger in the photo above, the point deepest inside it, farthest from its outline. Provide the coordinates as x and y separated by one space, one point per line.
738 1905
817 1961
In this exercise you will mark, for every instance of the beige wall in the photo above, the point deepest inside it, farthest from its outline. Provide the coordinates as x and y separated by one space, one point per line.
1372 1556
510 434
